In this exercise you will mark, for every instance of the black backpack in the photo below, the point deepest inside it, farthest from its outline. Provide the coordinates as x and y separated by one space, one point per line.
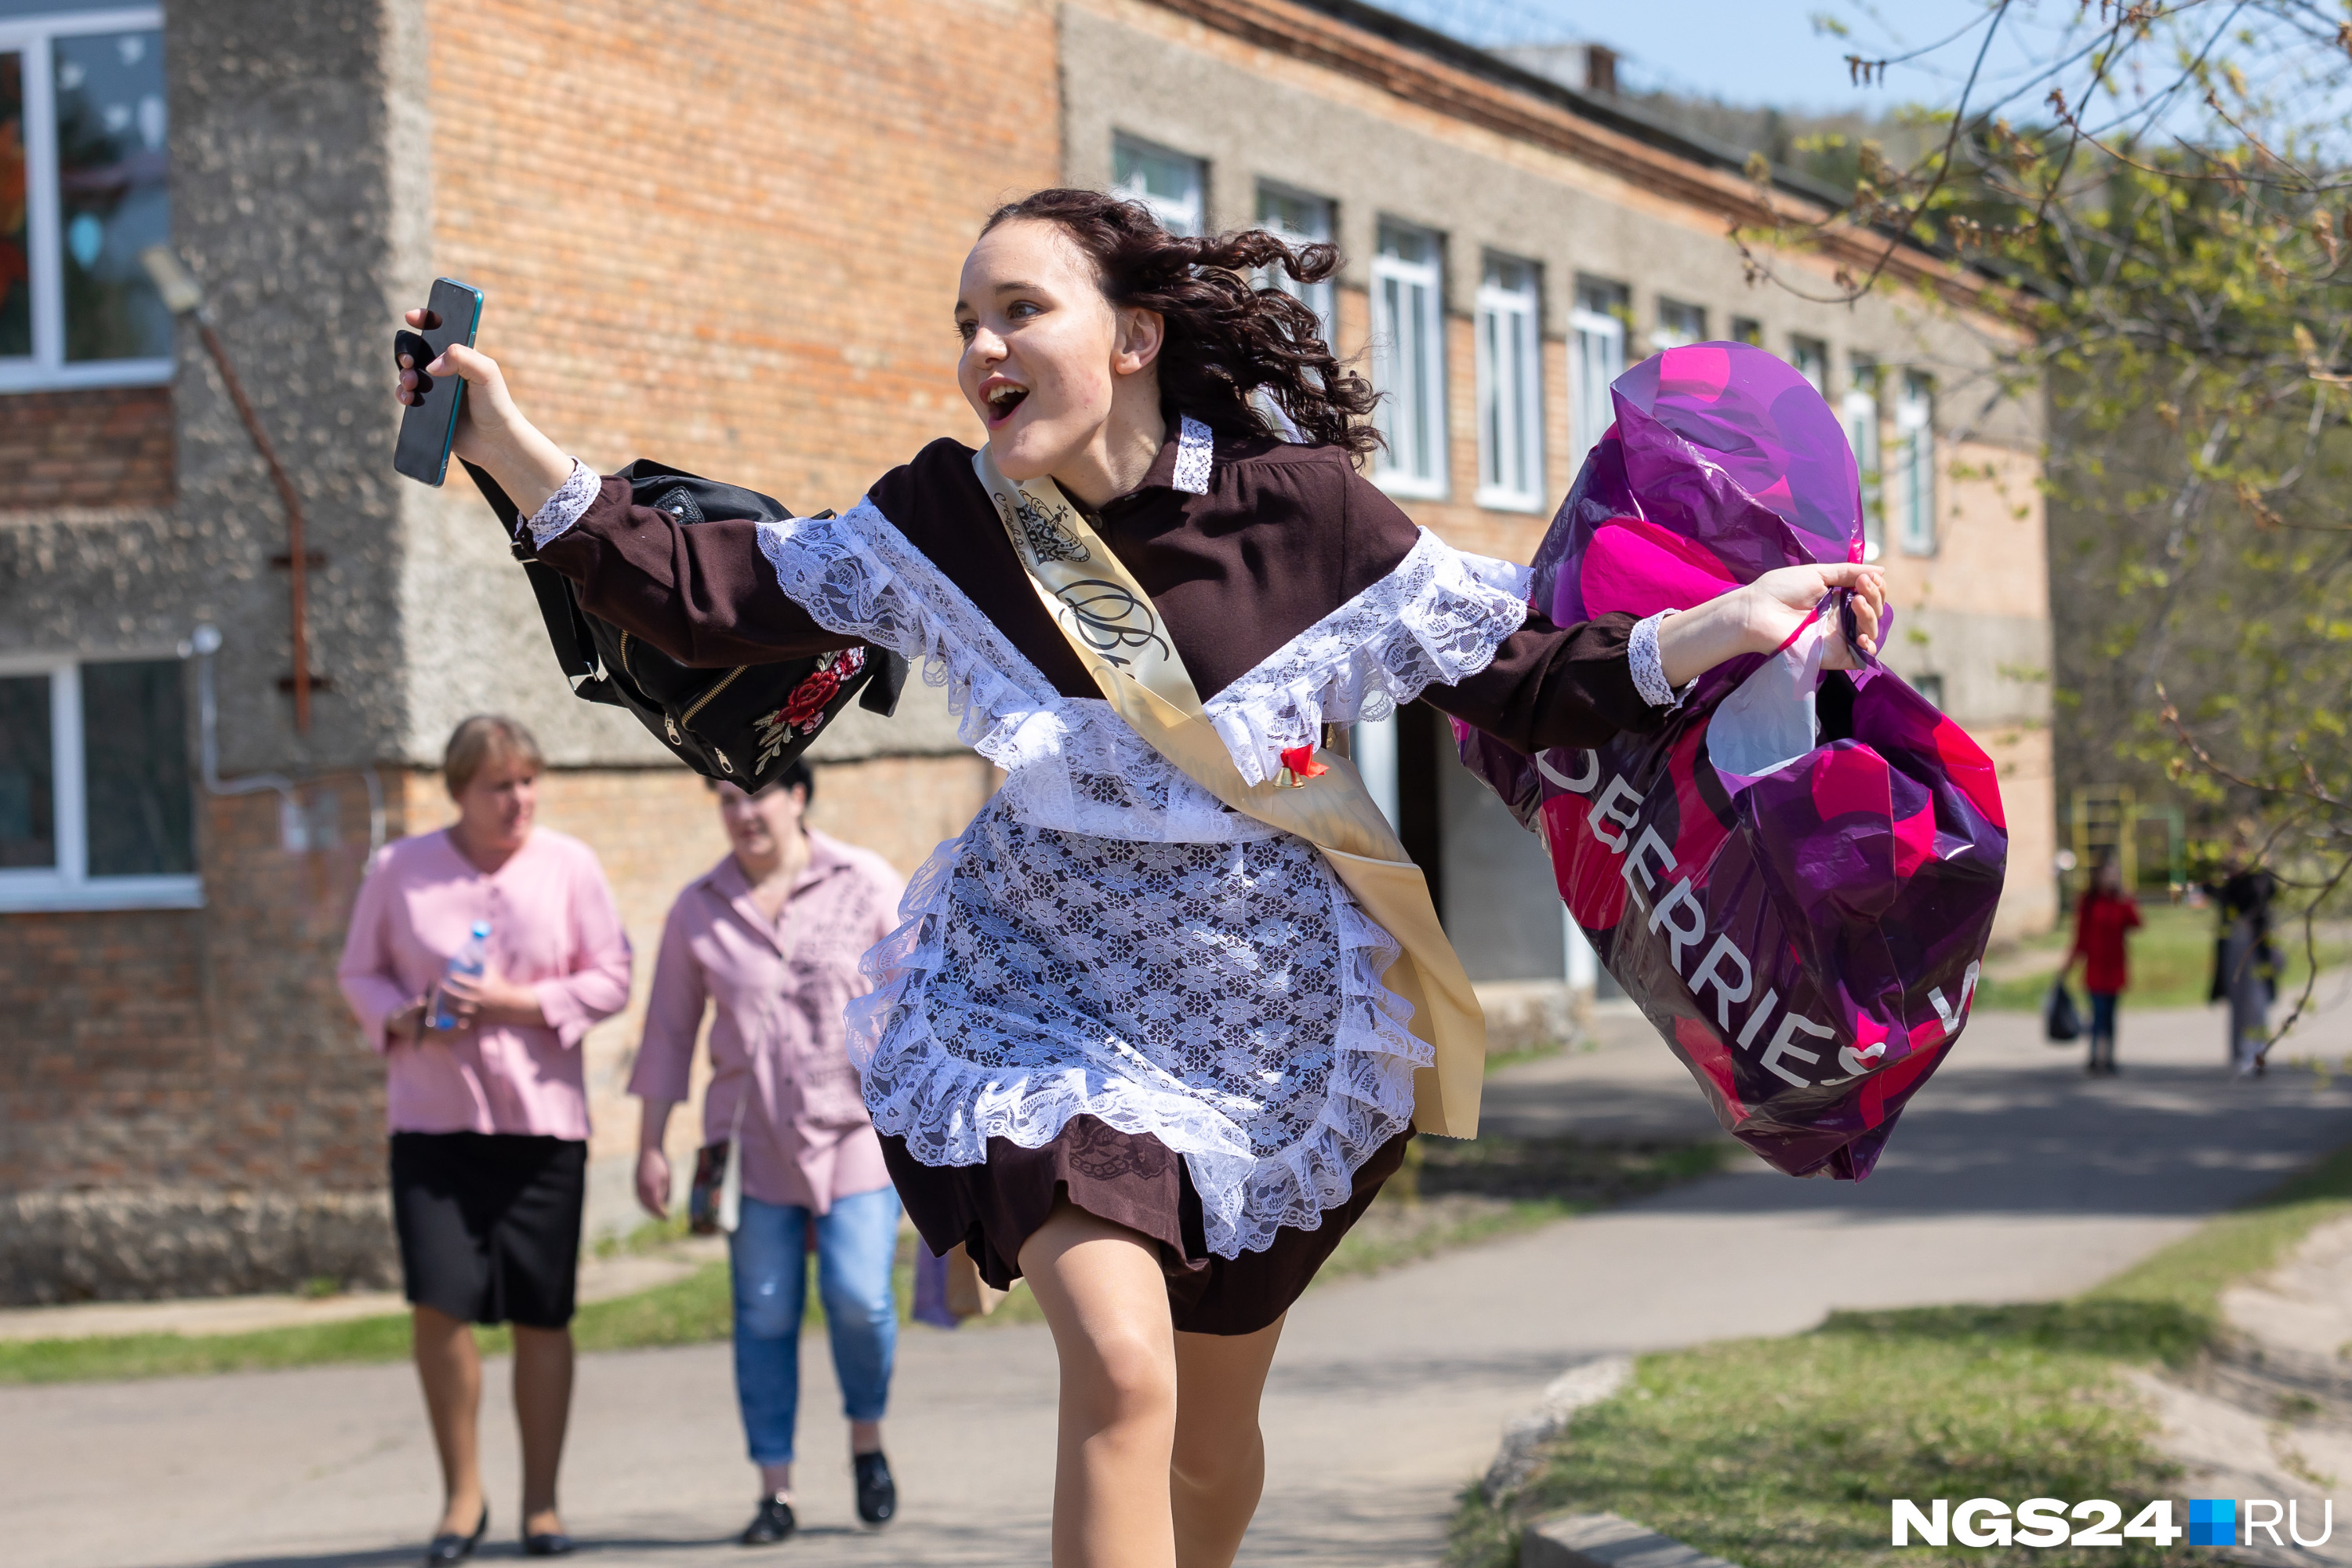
745 725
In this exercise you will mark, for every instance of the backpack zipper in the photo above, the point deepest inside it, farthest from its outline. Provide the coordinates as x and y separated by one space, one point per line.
699 703
703 701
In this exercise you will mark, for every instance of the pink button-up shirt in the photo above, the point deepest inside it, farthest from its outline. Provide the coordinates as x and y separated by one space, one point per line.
553 926
777 1044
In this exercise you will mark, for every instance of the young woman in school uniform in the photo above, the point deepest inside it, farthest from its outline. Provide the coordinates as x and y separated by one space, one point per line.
1131 1042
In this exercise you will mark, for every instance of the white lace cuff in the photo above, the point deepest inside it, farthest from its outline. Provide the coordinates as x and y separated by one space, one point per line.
1436 619
1649 669
572 497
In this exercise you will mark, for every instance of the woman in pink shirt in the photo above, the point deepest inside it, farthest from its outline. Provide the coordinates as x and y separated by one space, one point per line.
487 1104
773 935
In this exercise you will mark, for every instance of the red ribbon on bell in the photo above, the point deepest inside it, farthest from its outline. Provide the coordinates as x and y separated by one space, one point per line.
1298 765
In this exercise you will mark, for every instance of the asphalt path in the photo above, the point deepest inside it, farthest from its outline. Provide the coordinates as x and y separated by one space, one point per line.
2011 1177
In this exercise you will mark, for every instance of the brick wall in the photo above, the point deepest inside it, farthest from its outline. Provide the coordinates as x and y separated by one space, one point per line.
194 1047
104 448
729 234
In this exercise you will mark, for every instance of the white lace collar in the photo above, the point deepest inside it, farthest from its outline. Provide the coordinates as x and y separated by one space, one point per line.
1196 457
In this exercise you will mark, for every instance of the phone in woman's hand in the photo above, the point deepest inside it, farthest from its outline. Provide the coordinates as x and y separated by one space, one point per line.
429 424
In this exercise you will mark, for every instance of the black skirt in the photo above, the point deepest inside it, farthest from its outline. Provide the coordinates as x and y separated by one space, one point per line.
489 1223
1130 1179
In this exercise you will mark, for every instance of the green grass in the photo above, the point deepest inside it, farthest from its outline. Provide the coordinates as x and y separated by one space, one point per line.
2171 962
1785 1453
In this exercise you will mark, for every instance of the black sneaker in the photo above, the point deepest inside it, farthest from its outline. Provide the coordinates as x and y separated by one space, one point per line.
877 1494
771 1525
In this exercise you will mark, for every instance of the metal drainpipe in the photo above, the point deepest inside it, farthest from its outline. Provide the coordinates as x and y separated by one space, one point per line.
183 296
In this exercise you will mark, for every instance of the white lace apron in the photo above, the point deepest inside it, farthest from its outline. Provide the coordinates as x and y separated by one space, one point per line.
1105 939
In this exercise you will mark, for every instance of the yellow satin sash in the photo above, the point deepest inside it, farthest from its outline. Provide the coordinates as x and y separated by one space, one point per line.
1117 632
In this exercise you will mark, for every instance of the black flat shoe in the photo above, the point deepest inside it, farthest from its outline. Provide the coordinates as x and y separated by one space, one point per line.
771 1525
877 1494
450 1547
547 1543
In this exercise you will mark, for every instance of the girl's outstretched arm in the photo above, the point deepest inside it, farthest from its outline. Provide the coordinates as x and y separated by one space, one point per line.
704 594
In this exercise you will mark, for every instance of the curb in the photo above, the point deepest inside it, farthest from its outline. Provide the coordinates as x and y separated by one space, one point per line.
1589 1382
1605 1541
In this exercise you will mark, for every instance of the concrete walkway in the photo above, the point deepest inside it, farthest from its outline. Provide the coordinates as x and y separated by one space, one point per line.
2011 1177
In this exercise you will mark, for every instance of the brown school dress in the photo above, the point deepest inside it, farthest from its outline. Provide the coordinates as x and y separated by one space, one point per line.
1111 988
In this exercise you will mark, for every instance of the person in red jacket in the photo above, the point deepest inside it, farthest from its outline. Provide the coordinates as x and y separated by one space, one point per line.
2101 921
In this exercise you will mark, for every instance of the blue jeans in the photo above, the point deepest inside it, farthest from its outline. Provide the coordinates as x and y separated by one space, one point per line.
2102 1015
768 1255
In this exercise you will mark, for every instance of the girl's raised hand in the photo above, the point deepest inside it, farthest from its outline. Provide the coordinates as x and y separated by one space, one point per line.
492 433
1778 603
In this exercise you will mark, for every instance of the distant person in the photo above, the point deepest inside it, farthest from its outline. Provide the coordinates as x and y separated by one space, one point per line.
488 1114
2245 966
772 936
2102 923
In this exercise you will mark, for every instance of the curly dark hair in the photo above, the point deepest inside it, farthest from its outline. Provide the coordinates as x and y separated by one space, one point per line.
1227 337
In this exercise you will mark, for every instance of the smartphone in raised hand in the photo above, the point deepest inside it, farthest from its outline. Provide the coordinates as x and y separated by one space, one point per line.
429 424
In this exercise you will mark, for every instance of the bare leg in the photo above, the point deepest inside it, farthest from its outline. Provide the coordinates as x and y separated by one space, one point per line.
450 1368
1106 1303
1219 1464
543 1396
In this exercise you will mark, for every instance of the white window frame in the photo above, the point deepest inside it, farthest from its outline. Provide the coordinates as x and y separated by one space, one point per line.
1859 409
1408 365
1666 337
47 368
70 885
1596 357
1321 298
1510 385
1187 217
1915 434
1811 358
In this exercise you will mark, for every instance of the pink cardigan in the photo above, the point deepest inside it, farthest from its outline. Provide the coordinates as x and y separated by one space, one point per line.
778 1036
553 926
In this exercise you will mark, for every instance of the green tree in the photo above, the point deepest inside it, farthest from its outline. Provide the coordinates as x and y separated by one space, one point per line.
2166 189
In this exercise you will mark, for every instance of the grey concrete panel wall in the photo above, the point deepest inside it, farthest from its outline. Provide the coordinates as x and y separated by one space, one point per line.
280 208
1484 193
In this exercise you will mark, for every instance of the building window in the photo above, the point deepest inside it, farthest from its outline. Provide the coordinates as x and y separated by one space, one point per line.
83 168
1930 687
1747 330
1596 357
97 809
1510 388
1860 408
1811 358
1297 219
1678 324
1409 361
1915 461
1173 184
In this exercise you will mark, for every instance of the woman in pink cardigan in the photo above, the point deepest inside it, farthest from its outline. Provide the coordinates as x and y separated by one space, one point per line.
767 942
486 1103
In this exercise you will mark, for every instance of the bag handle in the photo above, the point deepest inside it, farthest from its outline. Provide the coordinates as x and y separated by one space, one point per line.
567 628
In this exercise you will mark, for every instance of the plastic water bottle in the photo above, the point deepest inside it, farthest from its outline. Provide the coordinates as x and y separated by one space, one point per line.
471 960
